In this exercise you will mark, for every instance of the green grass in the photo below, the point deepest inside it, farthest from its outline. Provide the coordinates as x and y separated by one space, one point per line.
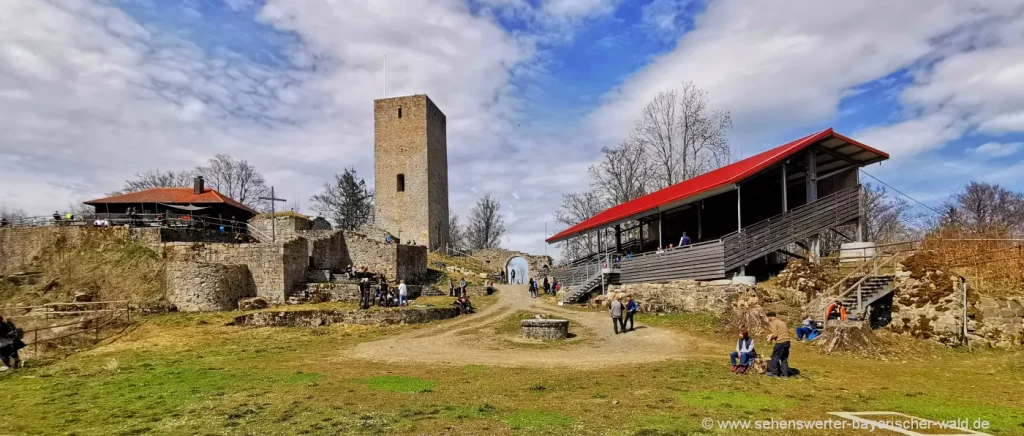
537 420
189 373
693 322
733 401
395 383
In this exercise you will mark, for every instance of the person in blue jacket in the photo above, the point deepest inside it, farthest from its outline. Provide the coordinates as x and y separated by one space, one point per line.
631 308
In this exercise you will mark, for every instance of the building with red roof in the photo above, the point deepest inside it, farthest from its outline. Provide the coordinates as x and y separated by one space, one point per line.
743 211
198 200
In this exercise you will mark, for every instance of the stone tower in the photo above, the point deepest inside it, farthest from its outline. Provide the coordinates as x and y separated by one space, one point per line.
410 169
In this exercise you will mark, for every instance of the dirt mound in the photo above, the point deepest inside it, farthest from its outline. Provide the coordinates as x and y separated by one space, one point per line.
851 336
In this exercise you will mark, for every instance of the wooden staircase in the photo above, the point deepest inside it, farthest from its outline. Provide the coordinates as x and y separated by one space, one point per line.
874 280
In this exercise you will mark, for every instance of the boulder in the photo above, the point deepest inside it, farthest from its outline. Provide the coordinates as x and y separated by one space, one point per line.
83 297
253 303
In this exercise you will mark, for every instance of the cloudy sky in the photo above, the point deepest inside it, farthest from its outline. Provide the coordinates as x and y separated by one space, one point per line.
92 91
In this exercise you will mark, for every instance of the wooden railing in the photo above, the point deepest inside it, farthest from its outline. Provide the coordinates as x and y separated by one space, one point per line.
779 231
94 321
703 261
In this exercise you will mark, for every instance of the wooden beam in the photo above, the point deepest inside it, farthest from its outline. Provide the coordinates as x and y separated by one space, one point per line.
841 234
790 254
841 157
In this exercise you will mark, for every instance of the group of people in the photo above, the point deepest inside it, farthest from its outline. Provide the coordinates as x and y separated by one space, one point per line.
623 313
550 288
383 295
10 343
778 332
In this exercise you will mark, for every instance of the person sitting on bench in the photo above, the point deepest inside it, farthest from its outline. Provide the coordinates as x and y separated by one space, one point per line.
744 351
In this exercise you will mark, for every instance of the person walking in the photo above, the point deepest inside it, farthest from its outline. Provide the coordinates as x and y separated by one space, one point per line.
364 293
513 275
547 286
631 308
382 290
403 293
554 286
616 310
779 332
462 287
10 343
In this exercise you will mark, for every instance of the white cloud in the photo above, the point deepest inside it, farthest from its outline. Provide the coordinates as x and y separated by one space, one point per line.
781 65
91 96
662 17
997 149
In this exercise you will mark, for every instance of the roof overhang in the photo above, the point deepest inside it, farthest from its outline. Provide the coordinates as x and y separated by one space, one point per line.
838 153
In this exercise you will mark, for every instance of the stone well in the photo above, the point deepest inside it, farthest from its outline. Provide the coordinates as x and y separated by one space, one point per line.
545 329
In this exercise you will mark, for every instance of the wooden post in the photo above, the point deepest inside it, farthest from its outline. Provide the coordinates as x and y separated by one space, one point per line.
660 232
618 238
811 185
785 200
700 226
739 215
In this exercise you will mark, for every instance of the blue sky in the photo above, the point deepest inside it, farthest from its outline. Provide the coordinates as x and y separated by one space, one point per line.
94 91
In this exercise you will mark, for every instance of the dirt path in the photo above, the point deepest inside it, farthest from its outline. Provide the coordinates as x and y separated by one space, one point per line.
457 342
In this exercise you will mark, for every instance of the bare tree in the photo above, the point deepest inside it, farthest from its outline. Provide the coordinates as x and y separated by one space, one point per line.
886 217
575 209
237 179
622 175
682 135
12 215
455 233
983 206
157 179
486 224
346 201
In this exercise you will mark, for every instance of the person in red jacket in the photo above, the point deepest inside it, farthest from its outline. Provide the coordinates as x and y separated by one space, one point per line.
836 310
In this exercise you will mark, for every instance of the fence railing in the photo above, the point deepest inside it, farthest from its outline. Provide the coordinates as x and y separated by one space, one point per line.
107 313
169 220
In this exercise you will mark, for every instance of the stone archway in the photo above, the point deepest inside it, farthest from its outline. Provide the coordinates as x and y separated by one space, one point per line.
519 266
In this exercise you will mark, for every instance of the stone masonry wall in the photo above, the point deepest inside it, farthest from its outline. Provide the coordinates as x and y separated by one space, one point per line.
999 322
413 145
327 249
200 287
496 259
714 297
276 269
19 246
318 318
395 261
283 227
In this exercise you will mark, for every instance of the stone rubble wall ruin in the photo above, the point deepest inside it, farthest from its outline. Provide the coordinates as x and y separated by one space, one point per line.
276 269
204 287
495 260
715 297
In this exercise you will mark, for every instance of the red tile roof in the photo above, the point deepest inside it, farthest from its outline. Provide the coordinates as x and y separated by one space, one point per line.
172 196
707 182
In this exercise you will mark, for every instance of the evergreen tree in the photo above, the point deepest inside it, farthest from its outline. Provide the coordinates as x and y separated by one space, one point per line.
346 201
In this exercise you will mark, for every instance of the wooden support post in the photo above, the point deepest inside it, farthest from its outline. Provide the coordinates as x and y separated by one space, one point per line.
739 211
660 232
861 222
700 225
811 182
618 238
785 201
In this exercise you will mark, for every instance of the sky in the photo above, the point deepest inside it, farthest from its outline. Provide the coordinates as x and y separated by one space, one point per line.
93 91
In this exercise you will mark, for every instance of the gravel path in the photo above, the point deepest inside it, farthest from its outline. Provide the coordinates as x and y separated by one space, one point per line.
458 342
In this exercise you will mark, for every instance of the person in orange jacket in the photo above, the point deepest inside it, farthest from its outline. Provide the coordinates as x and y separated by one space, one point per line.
836 310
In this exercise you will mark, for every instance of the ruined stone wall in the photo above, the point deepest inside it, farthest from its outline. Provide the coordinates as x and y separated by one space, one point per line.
285 227
20 246
998 322
327 249
713 297
276 269
495 259
395 261
201 287
318 318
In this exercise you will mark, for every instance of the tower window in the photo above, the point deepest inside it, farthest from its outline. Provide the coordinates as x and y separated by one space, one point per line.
399 112
401 183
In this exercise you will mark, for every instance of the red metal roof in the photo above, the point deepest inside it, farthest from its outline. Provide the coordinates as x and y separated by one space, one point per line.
172 196
707 182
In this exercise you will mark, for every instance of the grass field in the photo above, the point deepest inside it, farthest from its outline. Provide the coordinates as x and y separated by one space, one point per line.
191 374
